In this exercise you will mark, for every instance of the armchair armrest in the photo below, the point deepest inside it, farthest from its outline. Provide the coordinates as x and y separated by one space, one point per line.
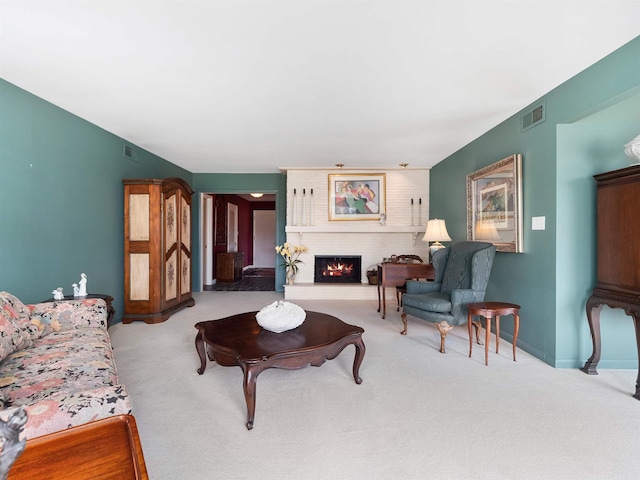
414 286
460 298
70 314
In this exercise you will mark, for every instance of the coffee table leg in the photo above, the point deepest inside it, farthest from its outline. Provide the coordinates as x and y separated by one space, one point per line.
201 353
250 377
357 361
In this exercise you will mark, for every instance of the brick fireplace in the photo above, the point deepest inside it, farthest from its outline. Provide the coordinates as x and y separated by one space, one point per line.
308 224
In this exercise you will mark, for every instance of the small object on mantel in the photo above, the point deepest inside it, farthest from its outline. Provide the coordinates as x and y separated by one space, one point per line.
57 294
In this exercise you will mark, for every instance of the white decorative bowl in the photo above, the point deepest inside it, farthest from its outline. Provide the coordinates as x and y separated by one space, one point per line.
632 149
281 316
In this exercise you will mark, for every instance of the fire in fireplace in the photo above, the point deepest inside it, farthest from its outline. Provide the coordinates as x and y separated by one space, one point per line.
337 269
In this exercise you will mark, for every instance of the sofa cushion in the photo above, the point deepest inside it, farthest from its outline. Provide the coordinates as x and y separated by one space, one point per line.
69 361
12 313
63 410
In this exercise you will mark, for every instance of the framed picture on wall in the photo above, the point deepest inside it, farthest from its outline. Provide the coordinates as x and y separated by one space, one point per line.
359 196
494 204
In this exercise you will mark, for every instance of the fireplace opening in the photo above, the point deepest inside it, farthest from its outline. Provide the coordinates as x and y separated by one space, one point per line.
338 269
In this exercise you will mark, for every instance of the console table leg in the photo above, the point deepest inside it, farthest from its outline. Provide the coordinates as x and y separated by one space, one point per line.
636 322
593 316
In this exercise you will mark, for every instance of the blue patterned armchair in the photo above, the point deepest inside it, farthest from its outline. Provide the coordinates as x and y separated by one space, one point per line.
461 276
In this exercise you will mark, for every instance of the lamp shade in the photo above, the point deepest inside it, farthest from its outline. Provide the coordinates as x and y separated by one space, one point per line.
436 231
487 231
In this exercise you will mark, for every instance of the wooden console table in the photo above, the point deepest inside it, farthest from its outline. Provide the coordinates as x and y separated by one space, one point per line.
396 274
229 266
618 197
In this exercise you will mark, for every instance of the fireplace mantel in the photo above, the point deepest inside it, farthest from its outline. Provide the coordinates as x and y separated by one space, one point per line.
345 228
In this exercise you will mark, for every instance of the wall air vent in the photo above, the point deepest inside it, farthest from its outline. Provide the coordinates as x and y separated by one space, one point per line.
128 152
533 117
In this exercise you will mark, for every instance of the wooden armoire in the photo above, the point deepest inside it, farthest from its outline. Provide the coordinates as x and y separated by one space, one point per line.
157 248
618 231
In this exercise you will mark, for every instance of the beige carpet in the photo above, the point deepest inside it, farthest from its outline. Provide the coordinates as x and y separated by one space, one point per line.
418 414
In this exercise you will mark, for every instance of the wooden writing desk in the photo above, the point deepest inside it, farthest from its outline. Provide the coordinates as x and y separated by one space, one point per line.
395 274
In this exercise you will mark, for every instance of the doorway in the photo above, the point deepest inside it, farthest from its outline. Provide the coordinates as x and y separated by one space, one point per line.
264 238
238 222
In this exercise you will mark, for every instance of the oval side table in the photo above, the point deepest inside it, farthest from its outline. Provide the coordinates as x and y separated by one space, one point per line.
488 310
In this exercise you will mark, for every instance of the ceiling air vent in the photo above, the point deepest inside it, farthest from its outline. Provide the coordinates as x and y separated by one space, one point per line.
533 117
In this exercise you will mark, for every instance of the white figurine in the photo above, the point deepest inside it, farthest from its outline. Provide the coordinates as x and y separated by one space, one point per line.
57 294
80 290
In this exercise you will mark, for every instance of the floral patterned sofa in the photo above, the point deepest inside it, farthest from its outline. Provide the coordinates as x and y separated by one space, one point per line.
56 361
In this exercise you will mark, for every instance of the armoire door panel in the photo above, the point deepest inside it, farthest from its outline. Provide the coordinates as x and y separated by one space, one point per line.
139 276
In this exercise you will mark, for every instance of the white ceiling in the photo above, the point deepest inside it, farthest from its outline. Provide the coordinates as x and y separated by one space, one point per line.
251 86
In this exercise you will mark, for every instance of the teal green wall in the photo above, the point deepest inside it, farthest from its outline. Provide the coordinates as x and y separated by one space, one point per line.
588 120
62 199
275 183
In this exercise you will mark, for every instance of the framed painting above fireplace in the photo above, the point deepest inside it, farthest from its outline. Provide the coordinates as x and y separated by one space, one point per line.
359 196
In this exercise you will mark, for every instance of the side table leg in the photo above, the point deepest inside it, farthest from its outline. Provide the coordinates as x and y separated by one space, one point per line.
516 327
469 322
497 332
487 339
593 316
357 361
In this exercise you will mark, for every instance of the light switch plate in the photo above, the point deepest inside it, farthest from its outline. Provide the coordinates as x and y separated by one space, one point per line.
537 223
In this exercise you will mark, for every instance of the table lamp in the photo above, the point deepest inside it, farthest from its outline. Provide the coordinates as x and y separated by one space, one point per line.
436 232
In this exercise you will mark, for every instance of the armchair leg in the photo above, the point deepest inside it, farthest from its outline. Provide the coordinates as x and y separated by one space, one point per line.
403 315
444 328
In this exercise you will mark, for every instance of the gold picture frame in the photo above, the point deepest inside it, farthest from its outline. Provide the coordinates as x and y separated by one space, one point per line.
494 204
358 196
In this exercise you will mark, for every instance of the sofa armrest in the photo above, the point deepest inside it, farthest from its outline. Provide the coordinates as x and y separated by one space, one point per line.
70 314
415 286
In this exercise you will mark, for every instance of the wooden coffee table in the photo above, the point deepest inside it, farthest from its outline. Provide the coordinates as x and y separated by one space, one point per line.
239 341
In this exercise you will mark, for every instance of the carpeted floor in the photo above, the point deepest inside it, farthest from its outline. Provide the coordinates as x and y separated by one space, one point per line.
418 414
253 280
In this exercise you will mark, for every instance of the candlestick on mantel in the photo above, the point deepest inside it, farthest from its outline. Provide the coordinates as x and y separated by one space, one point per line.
294 210
311 220
412 211
304 201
